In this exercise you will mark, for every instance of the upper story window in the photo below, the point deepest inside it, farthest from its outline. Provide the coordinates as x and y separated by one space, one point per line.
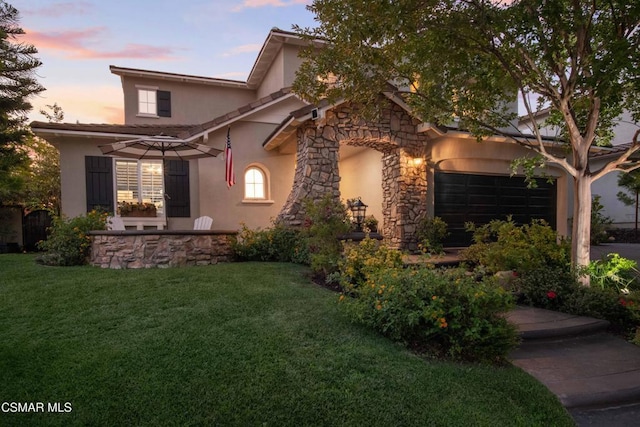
147 102
153 102
256 184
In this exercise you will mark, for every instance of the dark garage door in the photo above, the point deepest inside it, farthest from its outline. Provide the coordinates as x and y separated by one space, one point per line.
461 198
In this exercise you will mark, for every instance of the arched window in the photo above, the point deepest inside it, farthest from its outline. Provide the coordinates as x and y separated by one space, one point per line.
255 184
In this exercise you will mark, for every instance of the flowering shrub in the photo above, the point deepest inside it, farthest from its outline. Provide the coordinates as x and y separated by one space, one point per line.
558 289
503 245
279 243
622 312
364 260
445 313
68 242
327 220
546 288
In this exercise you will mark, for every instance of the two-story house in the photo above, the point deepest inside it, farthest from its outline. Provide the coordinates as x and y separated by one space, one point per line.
286 151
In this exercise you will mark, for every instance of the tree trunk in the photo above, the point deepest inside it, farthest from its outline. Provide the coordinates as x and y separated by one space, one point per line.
635 233
581 231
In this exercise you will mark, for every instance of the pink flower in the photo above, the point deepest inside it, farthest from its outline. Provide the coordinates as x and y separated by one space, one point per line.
551 295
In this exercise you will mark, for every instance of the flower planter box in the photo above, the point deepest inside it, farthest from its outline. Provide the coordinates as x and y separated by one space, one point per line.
140 213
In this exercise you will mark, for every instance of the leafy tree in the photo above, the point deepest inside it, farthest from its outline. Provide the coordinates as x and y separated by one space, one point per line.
469 58
17 83
42 178
631 182
40 174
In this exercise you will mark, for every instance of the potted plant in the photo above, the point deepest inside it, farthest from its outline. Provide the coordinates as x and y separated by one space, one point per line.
137 209
371 224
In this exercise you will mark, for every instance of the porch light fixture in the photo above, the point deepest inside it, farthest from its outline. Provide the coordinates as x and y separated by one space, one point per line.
358 212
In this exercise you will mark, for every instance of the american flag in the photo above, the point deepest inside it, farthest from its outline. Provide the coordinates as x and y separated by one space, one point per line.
230 176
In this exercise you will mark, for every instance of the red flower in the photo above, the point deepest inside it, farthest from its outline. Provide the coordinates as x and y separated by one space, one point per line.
551 295
623 302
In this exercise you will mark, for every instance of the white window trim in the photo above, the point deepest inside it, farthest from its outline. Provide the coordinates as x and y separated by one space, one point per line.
149 88
267 185
142 220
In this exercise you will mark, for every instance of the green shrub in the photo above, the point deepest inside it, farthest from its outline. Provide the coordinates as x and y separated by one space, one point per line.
622 311
599 222
503 245
68 242
549 288
363 260
613 271
278 243
558 289
430 233
445 313
327 221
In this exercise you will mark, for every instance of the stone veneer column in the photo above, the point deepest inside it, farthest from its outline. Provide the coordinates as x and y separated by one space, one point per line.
404 182
316 171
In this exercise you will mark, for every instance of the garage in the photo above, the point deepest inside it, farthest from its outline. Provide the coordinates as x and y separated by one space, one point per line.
461 198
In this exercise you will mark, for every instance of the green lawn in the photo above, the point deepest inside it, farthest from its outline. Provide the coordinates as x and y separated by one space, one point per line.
242 344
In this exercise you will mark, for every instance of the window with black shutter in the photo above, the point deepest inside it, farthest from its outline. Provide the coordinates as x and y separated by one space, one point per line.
176 182
164 103
99 180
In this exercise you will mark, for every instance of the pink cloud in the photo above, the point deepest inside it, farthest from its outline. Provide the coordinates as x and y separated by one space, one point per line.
60 9
113 114
245 48
75 45
250 4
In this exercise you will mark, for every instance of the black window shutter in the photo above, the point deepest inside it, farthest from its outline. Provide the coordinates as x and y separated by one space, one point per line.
99 173
164 103
176 185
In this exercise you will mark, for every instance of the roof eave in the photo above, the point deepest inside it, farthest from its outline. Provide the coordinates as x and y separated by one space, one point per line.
182 78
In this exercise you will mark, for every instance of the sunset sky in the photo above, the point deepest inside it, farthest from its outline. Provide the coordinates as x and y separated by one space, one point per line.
77 40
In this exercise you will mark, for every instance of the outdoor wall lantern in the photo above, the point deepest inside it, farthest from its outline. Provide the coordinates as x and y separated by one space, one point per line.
358 212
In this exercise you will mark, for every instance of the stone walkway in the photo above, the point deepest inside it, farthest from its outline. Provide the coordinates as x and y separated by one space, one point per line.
595 375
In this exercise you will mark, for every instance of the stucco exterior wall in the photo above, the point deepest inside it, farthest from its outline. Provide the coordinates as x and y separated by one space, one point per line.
73 175
273 80
190 103
227 206
607 188
282 72
361 176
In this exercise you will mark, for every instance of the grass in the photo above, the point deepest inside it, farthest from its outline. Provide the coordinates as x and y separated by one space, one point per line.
234 344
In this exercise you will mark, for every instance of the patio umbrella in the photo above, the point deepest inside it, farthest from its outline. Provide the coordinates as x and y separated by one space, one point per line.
159 147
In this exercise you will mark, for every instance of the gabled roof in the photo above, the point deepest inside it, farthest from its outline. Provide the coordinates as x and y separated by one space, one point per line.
270 48
272 45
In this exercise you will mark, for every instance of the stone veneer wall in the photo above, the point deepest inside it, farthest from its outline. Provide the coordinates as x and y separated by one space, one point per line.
404 166
158 248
